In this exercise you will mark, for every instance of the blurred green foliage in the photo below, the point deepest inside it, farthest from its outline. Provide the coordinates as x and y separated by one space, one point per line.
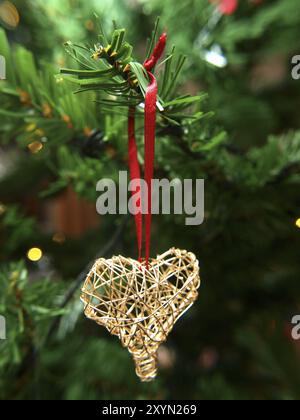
235 343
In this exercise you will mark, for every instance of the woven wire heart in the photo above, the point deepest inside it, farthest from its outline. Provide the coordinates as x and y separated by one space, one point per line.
141 305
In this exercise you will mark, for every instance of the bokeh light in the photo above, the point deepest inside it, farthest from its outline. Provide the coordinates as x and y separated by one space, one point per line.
9 15
59 238
34 254
35 147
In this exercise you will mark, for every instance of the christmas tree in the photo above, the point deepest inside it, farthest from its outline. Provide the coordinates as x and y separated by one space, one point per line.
228 115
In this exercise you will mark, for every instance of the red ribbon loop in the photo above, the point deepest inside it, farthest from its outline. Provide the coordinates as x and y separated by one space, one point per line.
150 128
135 175
157 53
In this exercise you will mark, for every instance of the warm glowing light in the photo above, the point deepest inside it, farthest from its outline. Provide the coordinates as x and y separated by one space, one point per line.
298 223
2 209
14 276
34 254
30 127
35 147
9 15
59 238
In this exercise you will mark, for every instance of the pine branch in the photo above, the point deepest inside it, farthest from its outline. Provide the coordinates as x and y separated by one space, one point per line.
111 70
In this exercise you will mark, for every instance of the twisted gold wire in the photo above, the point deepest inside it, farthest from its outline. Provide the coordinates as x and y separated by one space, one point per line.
141 305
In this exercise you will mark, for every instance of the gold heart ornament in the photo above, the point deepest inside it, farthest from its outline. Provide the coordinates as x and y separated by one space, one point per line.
141 304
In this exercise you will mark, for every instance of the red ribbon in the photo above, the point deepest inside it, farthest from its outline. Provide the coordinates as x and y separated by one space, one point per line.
150 128
135 175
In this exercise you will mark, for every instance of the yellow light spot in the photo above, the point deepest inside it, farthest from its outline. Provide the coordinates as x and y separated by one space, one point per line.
34 254
2 209
9 15
39 132
298 223
35 147
30 127
14 276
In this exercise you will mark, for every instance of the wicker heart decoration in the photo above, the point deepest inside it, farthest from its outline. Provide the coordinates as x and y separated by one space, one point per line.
141 305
